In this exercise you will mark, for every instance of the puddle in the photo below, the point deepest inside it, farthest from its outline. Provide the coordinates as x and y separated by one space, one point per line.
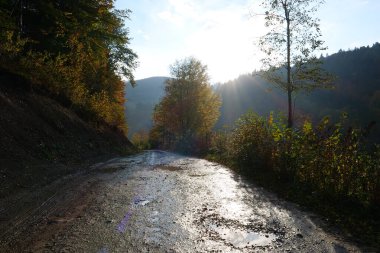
339 249
169 168
123 224
197 175
111 169
140 202
154 217
103 250
240 239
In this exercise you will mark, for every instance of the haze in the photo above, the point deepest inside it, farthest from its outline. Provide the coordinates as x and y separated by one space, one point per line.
222 33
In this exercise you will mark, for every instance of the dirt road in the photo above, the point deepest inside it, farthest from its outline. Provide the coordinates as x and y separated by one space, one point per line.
160 202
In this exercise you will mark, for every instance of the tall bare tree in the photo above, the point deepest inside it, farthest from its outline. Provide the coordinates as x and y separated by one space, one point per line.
291 45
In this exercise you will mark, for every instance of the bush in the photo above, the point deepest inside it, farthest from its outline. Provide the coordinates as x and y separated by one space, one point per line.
252 145
141 140
327 159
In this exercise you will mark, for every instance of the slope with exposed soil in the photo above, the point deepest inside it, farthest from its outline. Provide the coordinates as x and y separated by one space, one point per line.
41 140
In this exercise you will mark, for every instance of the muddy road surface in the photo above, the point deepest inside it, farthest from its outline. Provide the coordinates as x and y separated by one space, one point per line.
159 202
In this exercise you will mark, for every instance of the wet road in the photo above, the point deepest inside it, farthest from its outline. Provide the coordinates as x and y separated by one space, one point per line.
162 202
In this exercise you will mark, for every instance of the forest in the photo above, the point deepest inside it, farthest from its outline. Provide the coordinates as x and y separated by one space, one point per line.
355 92
75 51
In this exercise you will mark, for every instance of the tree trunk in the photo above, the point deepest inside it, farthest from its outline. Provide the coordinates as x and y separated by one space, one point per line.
290 109
289 84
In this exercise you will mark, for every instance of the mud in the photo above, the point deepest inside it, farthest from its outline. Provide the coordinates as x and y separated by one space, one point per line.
162 202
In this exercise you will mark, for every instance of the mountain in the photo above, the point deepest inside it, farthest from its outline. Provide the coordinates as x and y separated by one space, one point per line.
357 92
247 92
141 100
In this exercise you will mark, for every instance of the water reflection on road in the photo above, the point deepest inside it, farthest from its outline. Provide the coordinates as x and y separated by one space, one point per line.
163 202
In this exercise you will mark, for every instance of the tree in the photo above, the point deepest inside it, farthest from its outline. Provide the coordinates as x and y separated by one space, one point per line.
78 50
290 46
189 109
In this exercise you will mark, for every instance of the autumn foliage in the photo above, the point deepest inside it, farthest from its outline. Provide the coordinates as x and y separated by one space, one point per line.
74 50
331 167
184 118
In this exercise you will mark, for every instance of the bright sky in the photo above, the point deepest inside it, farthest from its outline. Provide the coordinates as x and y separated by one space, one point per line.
222 33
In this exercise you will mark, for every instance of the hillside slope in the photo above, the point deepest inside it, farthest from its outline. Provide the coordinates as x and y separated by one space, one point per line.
141 100
357 92
40 140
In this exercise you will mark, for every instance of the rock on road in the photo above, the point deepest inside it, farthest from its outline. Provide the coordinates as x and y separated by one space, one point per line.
162 202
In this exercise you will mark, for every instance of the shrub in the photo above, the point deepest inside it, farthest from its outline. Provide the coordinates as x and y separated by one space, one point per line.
330 160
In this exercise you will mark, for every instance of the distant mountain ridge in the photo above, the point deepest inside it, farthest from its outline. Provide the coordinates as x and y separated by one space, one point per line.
357 92
141 100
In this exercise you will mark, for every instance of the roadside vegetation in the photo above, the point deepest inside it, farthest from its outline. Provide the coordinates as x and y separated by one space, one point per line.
141 140
186 115
329 167
73 51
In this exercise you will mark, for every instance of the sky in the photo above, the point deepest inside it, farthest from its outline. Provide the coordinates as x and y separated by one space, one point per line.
222 34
